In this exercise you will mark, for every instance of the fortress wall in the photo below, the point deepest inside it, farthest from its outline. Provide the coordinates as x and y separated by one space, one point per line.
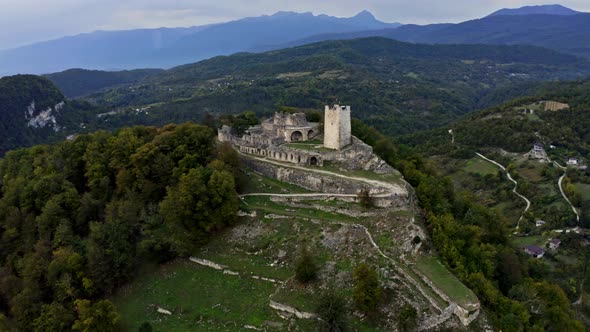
308 180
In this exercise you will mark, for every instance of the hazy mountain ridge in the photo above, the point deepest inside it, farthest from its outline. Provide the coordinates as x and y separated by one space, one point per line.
531 10
565 33
167 47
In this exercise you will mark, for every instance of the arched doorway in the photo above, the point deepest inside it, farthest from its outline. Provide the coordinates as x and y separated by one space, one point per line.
313 161
310 134
296 136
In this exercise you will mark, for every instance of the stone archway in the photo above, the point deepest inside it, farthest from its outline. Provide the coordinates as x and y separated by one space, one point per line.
313 161
296 136
310 134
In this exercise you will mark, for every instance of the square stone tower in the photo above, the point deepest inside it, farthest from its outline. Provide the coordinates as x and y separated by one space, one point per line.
337 133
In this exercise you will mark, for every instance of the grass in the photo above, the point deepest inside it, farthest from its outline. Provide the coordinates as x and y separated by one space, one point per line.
308 146
445 281
194 294
531 171
480 166
264 203
584 190
538 240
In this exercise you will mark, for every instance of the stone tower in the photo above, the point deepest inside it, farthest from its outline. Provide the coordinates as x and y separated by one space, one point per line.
337 127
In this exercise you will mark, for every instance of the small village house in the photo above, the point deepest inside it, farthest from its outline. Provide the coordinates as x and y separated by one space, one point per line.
534 251
554 243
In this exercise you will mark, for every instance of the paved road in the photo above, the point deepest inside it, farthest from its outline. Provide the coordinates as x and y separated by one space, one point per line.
528 203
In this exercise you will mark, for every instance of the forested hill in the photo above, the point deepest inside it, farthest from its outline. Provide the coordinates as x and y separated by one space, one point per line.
77 218
515 126
30 109
397 87
78 82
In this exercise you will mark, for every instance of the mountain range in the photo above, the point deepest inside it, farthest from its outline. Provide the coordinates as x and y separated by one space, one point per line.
568 31
167 47
550 26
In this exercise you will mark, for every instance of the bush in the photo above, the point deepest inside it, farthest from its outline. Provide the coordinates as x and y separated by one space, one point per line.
145 327
306 268
365 198
332 311
367 291
406 320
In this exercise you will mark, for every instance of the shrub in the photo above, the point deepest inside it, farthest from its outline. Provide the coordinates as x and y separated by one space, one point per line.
332 311
306 268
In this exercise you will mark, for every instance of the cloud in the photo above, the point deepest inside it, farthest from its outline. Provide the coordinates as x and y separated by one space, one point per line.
26 21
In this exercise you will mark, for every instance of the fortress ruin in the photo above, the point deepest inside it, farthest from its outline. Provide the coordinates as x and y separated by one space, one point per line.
283 138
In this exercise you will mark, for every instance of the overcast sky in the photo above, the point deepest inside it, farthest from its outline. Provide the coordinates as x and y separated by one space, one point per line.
26 21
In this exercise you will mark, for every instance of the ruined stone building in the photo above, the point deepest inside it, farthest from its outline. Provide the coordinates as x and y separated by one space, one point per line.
282 138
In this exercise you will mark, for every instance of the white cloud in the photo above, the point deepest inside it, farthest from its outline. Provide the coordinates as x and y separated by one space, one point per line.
26 21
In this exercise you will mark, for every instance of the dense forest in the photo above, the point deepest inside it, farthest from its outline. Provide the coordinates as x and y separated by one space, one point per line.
511 126
473 242
78 82
78 217
397 87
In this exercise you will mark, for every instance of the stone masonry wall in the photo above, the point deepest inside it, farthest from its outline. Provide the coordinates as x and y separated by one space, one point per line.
308 180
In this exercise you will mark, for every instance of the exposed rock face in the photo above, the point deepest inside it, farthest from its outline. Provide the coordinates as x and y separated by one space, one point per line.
44 118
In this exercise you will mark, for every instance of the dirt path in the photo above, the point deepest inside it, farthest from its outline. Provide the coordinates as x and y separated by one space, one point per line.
528 202
394 188
559 183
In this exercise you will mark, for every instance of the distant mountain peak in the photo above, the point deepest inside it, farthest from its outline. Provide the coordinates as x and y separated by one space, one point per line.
365 15
532 10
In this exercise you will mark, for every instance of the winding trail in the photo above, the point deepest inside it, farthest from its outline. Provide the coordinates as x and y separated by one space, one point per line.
528 202
559 183
452 136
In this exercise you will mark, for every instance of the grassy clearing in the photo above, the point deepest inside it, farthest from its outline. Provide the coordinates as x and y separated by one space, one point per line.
480 166
531 171
584 190
538 240
200 298
445 281
264 203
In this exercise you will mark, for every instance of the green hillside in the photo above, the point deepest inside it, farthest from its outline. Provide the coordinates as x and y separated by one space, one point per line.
397 87
79 82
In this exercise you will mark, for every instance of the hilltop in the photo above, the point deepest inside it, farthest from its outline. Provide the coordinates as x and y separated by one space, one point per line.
78 82
533 10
